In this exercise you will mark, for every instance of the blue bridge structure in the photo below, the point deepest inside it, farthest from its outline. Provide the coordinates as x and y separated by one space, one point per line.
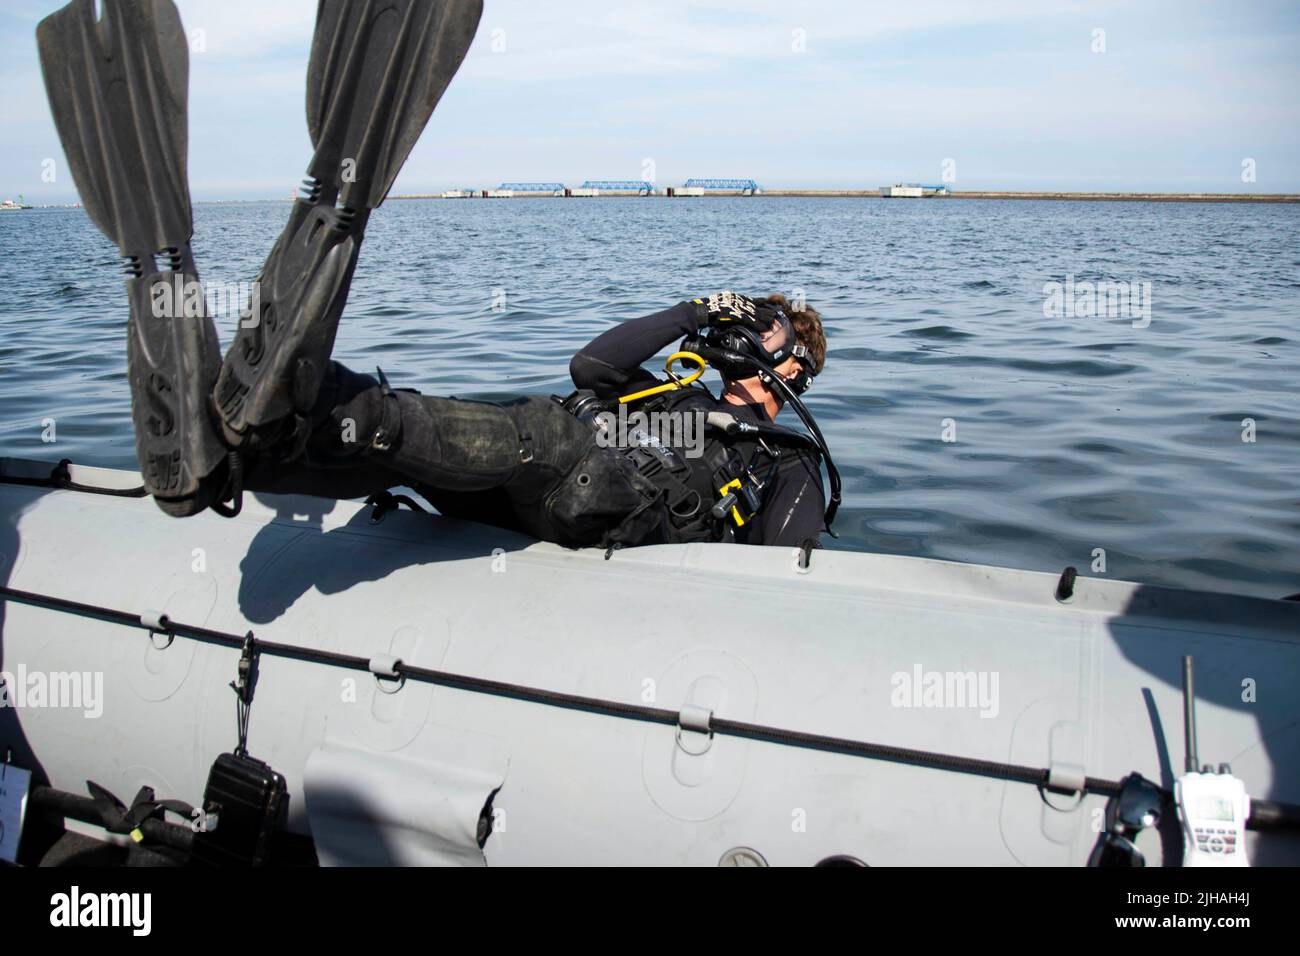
743 185
533 187
620 185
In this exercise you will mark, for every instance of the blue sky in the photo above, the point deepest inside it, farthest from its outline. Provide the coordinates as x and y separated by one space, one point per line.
875 93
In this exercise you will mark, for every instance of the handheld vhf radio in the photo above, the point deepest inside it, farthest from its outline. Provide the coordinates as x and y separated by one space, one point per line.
1213 807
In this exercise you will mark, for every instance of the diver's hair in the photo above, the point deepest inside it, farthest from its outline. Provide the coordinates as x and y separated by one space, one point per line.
807 327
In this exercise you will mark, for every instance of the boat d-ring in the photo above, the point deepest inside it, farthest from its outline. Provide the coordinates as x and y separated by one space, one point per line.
1065 787
389 678
697 721
158 626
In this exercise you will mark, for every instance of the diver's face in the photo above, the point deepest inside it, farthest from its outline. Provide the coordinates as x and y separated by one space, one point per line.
753 385
788 369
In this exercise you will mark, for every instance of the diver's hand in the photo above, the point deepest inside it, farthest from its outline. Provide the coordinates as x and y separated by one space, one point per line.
731 308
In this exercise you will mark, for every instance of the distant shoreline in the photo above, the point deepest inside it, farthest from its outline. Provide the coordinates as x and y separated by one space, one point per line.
834 194
970 194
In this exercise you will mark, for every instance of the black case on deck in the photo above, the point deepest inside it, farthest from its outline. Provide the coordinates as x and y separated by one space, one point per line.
247 797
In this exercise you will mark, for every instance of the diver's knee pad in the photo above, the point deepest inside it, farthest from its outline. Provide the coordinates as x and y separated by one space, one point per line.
452 444
549 437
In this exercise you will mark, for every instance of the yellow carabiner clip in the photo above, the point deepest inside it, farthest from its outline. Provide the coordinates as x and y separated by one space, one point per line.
676 382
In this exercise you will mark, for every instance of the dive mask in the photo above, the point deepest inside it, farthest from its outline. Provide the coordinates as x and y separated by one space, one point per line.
769 348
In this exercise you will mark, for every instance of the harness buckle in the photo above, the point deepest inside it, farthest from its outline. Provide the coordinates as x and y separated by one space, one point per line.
730 502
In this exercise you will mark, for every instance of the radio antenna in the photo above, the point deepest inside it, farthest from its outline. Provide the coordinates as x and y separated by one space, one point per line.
1189 714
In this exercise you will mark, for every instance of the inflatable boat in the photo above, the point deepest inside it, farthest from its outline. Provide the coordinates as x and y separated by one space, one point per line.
429 691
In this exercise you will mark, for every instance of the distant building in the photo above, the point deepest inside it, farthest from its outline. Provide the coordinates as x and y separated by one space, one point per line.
531 189
745 187
912 191
617 187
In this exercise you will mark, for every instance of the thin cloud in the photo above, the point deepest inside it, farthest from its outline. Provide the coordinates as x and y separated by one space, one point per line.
799 93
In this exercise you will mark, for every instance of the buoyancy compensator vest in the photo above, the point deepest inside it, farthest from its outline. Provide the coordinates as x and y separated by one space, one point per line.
714 469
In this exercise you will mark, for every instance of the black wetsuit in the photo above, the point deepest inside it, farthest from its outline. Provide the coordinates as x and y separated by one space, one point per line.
529 465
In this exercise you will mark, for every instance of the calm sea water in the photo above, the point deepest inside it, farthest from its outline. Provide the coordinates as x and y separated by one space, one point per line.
1072 433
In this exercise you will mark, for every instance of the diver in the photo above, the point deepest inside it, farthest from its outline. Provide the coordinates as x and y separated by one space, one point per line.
277 414
538 465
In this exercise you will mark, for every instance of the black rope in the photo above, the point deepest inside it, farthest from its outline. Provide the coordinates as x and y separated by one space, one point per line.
595 705
925 758
233 489
1272 815
60 478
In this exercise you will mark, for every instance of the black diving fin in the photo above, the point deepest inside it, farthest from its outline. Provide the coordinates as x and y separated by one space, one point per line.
117 86
378 68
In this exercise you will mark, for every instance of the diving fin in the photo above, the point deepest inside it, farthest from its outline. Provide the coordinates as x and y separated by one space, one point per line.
377 69
117 86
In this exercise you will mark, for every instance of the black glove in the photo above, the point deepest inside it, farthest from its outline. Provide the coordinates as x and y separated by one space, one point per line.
731 308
